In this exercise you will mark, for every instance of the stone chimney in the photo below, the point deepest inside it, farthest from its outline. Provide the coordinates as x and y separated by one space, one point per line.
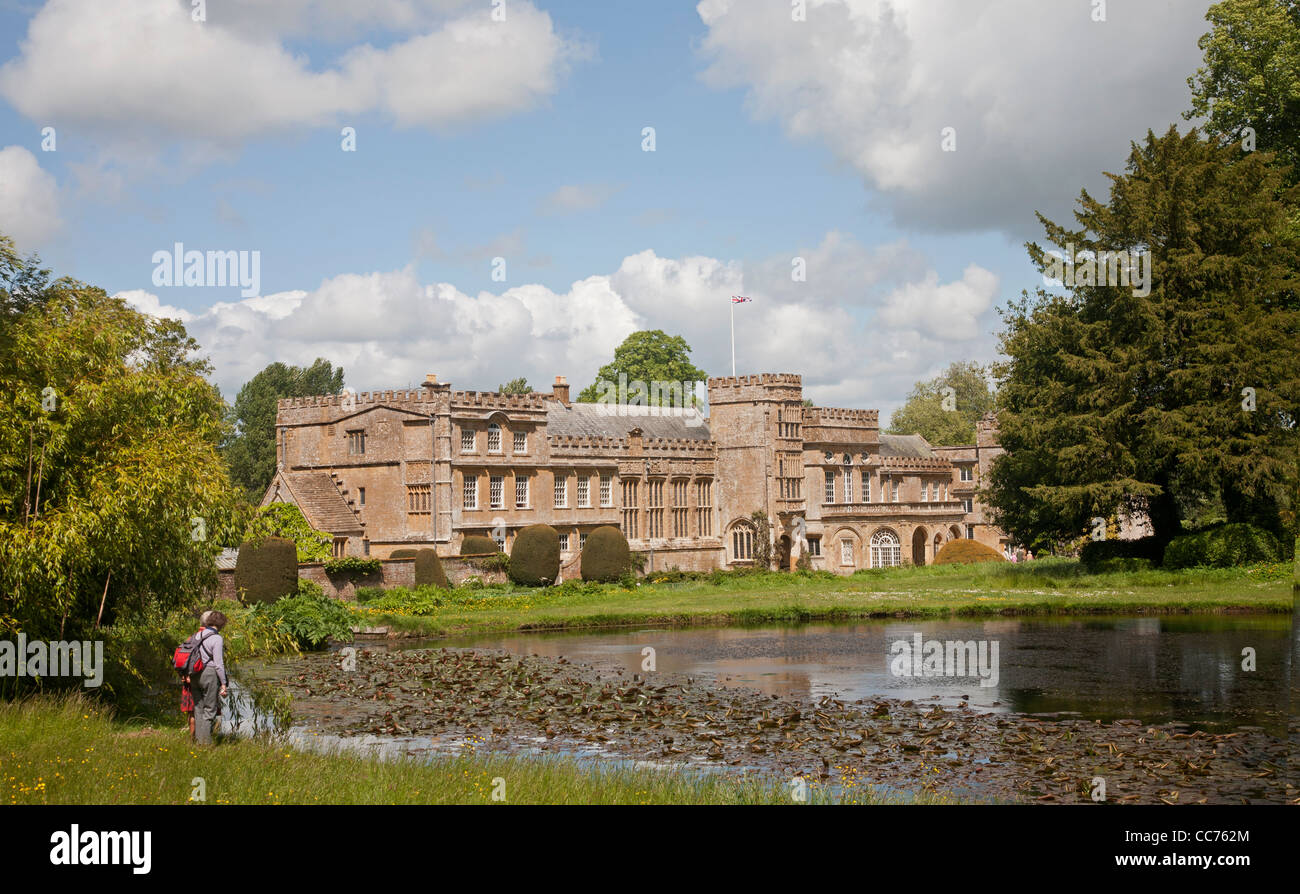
430 380
561 390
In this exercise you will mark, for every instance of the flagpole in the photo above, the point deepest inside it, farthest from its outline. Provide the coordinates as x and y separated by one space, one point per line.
733 338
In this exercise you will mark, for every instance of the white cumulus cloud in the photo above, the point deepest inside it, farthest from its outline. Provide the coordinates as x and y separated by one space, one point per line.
1042 98
388 329
29 200
132 66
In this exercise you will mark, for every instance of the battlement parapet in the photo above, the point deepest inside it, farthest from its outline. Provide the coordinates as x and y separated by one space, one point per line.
585 443
756 379
917 463
349 400
821 415
476 400
680 445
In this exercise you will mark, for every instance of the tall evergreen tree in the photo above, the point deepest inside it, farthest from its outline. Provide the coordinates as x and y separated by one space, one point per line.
250 453
1115 396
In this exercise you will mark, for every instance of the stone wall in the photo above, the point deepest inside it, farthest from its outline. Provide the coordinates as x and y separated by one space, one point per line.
392 573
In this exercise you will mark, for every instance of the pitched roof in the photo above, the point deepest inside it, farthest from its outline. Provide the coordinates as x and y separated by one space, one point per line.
321 503
910 446
616 420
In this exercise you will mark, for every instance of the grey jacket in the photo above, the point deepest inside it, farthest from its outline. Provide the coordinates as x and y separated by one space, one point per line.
213 651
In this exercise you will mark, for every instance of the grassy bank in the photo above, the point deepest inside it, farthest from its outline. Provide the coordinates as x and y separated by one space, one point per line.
70 751
1049 586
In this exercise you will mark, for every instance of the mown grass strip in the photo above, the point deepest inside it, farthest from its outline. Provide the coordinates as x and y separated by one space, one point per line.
68 750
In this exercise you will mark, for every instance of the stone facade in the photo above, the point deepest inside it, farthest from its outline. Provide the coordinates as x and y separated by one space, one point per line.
971 466
427 467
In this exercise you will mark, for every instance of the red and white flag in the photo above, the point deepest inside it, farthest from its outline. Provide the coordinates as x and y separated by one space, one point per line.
739 299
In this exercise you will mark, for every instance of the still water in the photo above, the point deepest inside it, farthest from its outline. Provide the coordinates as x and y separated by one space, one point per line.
1186 669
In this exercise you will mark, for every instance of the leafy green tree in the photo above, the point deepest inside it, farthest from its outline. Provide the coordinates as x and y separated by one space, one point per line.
250 453
286 520
109 465
1251 76
1116 396
649 356
515 386
22 282
943 416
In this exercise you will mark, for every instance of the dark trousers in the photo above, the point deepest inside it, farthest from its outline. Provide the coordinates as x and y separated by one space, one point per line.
207 704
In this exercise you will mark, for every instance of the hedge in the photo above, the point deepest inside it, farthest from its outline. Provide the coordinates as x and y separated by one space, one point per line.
535 560
352 565
1096 552
267 570
606 557
1223 546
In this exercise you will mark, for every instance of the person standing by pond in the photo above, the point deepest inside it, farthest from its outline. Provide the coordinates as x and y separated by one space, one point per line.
210 685
187 686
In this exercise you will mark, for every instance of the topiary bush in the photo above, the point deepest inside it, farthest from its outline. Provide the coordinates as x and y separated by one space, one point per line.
1223 546
1095 552
606 557
535 560
404 553
964 552
267 570
428 570
477 544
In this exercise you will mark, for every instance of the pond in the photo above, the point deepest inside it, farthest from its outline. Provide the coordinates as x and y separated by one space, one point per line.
1167 708
1183 668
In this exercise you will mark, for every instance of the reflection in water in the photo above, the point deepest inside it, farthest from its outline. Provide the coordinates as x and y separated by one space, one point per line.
1155 669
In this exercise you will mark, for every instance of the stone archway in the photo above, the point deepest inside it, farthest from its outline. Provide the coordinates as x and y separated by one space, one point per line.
784 559
919 539
938 545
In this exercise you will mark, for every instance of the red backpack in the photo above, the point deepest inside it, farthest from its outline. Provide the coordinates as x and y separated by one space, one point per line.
186 659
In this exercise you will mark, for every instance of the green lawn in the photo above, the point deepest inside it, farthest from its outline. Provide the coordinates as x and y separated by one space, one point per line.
69 751
1042 587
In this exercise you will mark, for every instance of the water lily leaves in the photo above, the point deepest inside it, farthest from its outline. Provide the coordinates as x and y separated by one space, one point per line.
531 702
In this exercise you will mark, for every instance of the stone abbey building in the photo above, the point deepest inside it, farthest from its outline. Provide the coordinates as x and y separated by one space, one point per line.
383 470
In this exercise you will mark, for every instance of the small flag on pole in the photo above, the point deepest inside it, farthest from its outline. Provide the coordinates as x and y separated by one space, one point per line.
735 299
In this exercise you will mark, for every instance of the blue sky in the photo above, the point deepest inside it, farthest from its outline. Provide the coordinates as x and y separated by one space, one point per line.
774 139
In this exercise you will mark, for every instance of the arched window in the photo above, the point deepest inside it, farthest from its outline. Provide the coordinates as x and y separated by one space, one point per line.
886 550
494 438
742 543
